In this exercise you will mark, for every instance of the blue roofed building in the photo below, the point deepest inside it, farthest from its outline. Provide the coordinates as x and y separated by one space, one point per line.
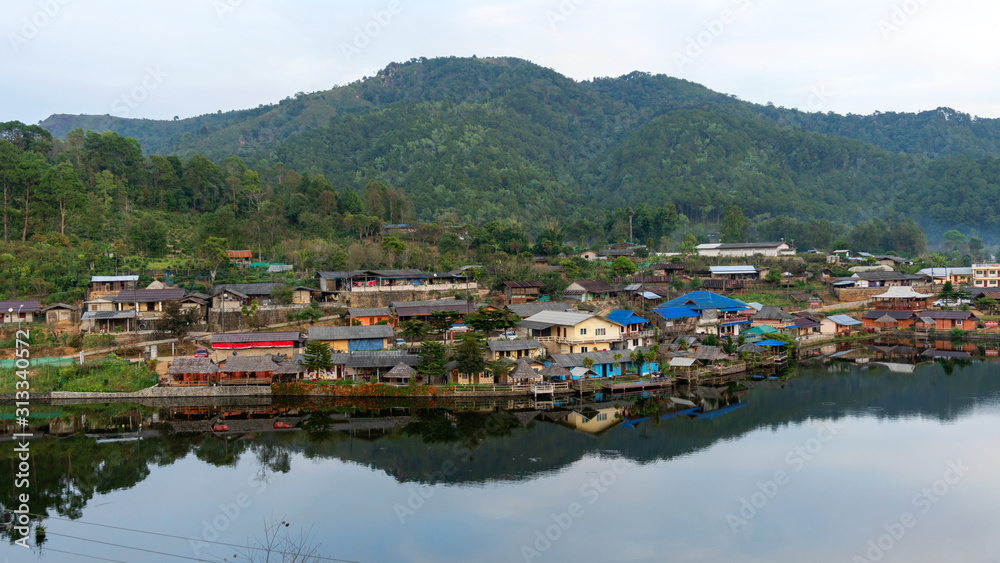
715 314
635 330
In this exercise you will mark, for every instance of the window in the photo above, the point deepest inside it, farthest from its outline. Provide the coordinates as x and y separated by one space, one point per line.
583 332
584 349
635 342
599 331
601 416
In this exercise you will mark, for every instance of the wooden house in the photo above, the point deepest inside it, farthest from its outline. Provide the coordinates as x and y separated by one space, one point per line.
105 286
901 298
369 316
150 303
590 255
843 324
286 342
370 365
239 258
399 375
354 338
772 316
61 314
589 290
247 370
888 320
522 291
236 295
947 320
191 371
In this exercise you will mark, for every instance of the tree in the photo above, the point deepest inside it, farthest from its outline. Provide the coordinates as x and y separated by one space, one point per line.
469 356
431 361
249 312
500 369
213 254
774 276
282 294
393 244
414 329
66 191
735 227
177 320
317 356
948 291
622 267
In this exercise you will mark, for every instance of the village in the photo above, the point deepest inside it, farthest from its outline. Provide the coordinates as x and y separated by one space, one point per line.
422 331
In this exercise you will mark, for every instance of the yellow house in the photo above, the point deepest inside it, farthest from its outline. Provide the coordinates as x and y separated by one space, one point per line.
354 338
514 349
592 421
568 332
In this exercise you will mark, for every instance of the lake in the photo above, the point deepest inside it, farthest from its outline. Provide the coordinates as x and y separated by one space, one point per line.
838 463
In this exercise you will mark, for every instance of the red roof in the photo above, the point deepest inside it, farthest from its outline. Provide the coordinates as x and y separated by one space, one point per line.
239 253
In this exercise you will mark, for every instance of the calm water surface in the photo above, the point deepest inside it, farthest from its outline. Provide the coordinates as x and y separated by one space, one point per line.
840 466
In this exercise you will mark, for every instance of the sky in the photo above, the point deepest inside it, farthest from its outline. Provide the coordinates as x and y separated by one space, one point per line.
158 59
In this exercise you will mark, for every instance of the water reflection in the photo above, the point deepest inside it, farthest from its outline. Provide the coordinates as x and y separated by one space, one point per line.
84 452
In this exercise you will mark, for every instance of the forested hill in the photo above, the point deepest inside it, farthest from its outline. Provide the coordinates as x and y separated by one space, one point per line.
489 138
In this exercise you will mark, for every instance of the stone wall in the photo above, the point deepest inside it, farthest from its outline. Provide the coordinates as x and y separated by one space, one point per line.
851 294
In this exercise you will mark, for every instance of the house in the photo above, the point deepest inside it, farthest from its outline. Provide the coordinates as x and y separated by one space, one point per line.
948 320
940 276
716 313
108 321
424 310
573 331
104 286
60 314
590 255
369 316
13 312
734 273
399 375
239 258
610 363
286 342
522 291
901 298
887 320
388 281
371 365
190 371
247 370
634 330
198 302
236 295
675 320
150 303
881 279
986 275
843 324
667 269
523 374
592 421
771 316
894 261
525 310
514 349
589 290
354 338
742 249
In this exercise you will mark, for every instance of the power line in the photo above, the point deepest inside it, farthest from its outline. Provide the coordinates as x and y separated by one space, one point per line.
84 555
317 557
130 547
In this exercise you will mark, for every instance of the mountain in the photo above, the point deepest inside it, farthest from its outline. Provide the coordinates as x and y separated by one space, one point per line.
497 137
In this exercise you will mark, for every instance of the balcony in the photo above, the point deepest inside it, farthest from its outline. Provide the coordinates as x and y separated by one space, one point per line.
471 286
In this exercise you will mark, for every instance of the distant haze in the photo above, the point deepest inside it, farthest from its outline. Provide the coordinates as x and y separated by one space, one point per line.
184 58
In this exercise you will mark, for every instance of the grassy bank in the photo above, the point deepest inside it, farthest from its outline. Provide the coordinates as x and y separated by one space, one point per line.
109 376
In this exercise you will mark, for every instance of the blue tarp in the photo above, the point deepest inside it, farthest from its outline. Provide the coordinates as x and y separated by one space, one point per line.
673 313
771 343
365 344
680 413
718 412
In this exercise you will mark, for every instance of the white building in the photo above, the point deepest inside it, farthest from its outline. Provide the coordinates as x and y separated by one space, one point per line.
739 249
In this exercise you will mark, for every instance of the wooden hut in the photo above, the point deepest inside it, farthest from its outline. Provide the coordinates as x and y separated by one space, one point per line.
191 371
523 374
247 370
399 375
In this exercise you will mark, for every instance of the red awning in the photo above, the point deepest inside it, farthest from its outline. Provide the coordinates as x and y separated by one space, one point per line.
245 345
